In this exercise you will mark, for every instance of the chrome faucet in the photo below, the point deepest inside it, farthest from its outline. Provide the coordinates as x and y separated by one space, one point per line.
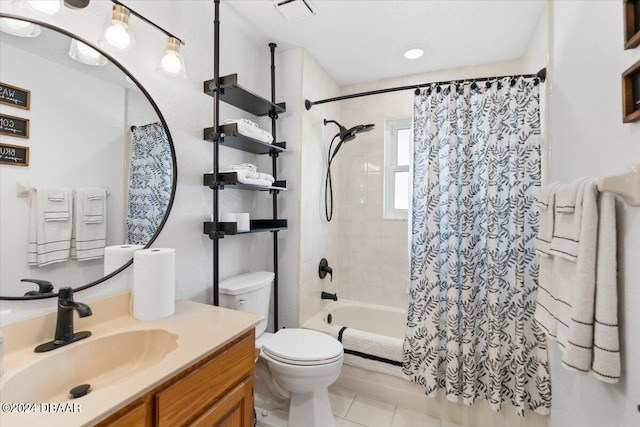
64 326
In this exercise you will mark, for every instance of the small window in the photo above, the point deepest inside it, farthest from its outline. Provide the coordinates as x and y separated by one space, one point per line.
397 159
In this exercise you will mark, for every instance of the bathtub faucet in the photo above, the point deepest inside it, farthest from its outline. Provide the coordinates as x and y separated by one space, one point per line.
327 295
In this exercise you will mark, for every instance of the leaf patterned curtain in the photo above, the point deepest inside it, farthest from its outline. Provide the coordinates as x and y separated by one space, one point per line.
474 273
150 179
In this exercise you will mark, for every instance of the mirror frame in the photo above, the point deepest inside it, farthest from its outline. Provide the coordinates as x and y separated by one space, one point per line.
162 120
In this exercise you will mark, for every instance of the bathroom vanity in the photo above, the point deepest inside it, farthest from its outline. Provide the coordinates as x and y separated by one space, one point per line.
195 367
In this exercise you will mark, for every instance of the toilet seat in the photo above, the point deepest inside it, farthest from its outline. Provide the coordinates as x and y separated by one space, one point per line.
303 347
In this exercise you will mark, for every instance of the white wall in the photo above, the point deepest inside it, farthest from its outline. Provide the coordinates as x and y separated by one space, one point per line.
317 235
85 127
187 112
589 139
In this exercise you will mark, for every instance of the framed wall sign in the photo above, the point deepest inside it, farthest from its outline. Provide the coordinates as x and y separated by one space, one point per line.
631 93
14 126
631 23
14 155
15 96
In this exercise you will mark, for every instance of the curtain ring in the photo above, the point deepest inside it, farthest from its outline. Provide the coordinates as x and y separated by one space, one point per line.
417 91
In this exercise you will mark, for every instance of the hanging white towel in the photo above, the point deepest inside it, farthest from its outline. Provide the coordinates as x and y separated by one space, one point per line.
49 241
370 351
93 202
577 335
546 302
606 341
89 238
577 302
566 232
546 206
56 207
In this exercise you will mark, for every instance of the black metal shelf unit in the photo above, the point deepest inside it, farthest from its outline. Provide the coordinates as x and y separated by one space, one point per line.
227 89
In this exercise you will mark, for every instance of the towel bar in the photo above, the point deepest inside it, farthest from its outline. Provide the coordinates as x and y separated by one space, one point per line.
24 189
627 186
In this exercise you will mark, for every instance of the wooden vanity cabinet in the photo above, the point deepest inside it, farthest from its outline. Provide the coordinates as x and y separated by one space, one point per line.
217 391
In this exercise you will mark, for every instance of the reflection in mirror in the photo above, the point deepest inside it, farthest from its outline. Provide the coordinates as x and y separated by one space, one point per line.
100 173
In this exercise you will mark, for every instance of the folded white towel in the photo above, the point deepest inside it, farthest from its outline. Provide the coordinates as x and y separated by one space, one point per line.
606 344
244 166
242 175
251 130
56 207
566 231
370 351
267 177
49 242
89 238
93 205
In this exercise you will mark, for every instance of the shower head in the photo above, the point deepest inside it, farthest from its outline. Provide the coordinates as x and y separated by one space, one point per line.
348 134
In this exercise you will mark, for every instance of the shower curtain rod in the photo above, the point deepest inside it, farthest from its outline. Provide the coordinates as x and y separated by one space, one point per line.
542 75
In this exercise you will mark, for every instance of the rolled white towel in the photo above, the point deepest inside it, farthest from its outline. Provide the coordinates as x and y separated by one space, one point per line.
370 351
251 130
267 177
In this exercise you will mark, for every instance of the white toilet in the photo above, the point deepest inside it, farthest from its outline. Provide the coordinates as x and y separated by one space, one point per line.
295 367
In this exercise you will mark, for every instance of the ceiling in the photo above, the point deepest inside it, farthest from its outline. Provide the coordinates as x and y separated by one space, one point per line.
360 41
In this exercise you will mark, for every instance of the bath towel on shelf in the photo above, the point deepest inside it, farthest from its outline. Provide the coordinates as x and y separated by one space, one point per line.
247 174
49 240
251 130
370 351
89 237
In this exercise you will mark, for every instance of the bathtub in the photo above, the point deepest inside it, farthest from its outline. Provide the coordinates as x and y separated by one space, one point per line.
391 321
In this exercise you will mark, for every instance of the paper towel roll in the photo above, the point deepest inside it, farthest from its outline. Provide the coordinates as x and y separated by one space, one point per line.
243 221
117 256
154 291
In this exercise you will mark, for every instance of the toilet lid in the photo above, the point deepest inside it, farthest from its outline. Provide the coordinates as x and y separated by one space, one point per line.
303 346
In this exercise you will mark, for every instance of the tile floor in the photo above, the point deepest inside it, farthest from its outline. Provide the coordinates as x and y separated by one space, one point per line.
352 410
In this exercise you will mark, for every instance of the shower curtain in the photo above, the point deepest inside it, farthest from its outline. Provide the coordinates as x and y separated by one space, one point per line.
474 274
150 179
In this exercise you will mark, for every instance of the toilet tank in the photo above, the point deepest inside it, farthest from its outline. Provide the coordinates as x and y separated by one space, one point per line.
250 292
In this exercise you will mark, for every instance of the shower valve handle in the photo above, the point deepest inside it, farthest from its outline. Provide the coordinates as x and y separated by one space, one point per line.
324 268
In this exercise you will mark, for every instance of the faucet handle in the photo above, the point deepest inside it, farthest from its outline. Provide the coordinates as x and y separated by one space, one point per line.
44 287
65 294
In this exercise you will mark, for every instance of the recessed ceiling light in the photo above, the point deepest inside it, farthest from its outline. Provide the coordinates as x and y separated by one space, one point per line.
413 53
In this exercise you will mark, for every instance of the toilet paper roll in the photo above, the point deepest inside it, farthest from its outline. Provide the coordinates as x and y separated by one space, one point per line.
228 217
243 221
154 288
117 256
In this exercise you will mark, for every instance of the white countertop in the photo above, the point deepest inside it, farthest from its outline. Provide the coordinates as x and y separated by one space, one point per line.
201 329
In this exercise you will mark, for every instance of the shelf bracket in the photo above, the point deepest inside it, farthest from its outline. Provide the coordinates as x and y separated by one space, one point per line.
216 235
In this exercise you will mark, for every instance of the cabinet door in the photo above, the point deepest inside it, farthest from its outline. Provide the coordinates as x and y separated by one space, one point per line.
235 409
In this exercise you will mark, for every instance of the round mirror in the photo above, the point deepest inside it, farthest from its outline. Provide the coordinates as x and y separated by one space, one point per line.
87 164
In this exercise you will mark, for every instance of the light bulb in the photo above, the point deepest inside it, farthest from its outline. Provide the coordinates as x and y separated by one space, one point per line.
48 7
118 36
88 51
413 53
171 63
85 54
20 28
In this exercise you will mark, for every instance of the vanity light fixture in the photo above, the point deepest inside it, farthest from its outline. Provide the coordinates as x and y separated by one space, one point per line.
116 34
85 54
414 53
48 7
172 63
17 27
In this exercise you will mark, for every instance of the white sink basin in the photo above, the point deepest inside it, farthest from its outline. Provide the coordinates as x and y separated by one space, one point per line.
98 361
